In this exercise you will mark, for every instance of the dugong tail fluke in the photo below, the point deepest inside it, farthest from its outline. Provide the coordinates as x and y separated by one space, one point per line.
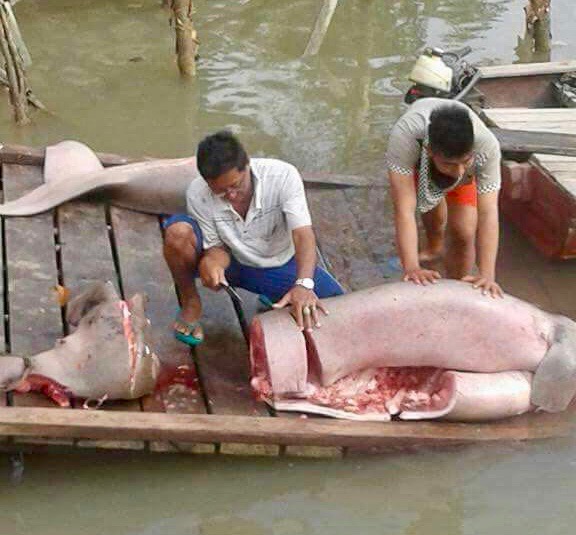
72 169
555 380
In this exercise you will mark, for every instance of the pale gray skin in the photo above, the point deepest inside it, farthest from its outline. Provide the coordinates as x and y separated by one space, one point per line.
71 170
156 186
554 383
94 360
448 325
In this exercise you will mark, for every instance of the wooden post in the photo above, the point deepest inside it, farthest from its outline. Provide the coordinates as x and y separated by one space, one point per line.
536 10
538 25
17 84
321 27
186 36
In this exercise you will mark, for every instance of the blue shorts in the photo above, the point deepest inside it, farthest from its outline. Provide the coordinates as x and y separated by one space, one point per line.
271 282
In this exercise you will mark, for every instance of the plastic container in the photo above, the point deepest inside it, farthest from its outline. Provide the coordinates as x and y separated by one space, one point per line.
431 71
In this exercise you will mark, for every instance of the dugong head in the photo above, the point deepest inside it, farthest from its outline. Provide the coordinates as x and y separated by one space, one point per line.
108 354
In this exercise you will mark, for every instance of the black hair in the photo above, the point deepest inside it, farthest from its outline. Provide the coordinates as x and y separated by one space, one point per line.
218 153
451 132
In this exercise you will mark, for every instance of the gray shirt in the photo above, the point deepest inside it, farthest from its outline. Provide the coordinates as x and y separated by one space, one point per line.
264 237
407 150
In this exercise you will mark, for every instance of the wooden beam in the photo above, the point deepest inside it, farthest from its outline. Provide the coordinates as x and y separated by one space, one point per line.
527 69
320 27
23 155
119 425
528 142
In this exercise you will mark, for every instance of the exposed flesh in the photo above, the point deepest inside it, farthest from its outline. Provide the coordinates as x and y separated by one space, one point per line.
400 349
107 355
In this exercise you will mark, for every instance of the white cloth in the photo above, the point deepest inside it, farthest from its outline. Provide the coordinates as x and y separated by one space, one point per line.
264 237
408 143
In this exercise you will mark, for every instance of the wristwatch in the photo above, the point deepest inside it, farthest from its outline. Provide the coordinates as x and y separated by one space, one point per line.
306 282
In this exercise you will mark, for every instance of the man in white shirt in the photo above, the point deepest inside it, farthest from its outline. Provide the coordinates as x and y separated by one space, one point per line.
248 226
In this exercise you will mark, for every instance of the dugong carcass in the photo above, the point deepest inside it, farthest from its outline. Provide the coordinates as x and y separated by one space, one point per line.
417 352
155 186
106 356
71 169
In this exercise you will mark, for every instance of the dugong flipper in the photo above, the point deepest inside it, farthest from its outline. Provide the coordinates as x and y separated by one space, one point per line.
72 170
554 384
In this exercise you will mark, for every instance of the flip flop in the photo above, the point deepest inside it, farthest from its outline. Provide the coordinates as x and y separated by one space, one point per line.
185 332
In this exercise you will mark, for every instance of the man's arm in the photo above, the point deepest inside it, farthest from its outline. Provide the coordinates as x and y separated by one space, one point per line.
215 258
213 264
404 199
488 237
305 303
305 251
488 234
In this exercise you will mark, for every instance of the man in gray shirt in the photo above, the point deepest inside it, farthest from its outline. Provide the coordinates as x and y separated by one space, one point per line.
445 164
248 226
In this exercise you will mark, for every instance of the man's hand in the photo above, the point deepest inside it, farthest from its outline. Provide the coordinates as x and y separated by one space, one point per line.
305 306
486 284
421 276
212 274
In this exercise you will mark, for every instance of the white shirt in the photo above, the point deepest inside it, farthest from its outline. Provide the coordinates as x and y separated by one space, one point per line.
264 237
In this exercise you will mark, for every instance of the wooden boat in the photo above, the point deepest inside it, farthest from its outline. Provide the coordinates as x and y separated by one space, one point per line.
539 194
207 407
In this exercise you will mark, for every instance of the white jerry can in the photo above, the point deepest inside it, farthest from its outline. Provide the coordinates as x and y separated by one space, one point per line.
431 71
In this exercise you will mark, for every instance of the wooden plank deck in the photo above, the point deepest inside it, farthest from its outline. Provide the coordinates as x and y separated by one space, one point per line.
106 425
83 242
224 369
547 216
138 242
34 316
559 120
3 396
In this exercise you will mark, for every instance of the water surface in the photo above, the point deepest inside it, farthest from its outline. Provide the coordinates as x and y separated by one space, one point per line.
106 71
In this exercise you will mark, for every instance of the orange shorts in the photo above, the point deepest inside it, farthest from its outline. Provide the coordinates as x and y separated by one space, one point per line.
465 194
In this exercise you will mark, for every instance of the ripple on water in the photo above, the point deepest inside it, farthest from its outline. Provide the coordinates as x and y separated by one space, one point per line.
385 87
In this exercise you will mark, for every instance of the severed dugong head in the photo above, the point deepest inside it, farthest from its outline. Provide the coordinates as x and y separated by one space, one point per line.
107 355
71 169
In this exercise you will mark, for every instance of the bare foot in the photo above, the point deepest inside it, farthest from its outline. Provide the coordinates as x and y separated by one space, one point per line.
430 255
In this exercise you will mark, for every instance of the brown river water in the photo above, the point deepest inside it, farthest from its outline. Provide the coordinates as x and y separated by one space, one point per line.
106 71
